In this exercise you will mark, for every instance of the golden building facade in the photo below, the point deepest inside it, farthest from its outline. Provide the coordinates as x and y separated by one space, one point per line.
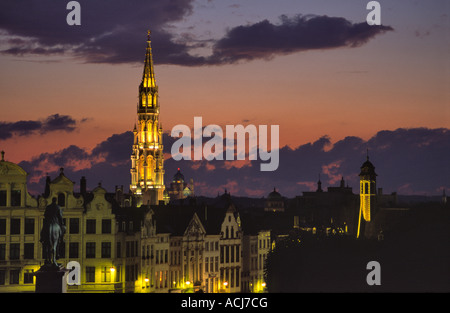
20 221
105 246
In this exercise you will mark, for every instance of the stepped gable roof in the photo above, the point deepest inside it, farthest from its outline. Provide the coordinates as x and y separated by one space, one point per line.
173 219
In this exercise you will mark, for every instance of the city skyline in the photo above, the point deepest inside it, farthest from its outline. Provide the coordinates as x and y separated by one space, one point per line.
385 91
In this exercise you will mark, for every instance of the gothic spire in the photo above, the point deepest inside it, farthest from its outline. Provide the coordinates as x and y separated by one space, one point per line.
148 77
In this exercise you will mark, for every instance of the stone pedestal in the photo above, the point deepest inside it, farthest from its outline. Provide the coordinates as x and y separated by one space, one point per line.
51 279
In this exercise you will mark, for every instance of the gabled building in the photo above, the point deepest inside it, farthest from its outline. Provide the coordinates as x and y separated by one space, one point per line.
20 221
205 246
103 242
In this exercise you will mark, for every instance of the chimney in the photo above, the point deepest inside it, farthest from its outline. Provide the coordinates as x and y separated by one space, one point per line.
83 186
47 187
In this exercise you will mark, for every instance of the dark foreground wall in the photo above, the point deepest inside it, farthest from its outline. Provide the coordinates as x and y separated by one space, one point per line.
414 257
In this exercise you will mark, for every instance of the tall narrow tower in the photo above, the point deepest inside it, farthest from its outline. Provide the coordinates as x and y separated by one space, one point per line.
367 184
147 161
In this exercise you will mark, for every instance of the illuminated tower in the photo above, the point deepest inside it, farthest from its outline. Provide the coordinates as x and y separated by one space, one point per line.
367 184
147 162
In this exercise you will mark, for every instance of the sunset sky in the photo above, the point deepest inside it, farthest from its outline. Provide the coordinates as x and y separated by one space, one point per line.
315 68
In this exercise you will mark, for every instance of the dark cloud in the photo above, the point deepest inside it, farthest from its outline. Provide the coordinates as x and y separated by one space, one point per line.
108 163
264 40
407 161
113 32
115 149
52 123
58 122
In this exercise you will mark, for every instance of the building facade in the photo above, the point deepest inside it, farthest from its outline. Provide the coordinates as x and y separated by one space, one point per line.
104 246
256 249
20 223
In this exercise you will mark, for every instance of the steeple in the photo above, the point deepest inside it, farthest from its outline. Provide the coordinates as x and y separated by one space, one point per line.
148 90
319 185
148 77
147 161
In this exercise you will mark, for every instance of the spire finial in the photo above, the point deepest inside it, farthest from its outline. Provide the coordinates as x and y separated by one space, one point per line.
149 32
3 155
367 154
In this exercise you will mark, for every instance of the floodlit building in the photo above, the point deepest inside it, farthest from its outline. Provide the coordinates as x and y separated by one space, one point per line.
101 243
256 247
20 224
134 242
147 160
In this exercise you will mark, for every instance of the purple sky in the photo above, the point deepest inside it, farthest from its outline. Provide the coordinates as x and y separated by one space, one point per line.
335 85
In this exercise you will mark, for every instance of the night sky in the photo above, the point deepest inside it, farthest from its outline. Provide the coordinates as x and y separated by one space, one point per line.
335 86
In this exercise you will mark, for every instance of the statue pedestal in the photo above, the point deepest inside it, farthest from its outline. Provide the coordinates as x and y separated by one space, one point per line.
51 279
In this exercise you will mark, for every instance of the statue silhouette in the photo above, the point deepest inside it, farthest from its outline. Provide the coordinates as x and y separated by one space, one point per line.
52 234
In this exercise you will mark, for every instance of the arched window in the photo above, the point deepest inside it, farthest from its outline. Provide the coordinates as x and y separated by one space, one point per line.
61 199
